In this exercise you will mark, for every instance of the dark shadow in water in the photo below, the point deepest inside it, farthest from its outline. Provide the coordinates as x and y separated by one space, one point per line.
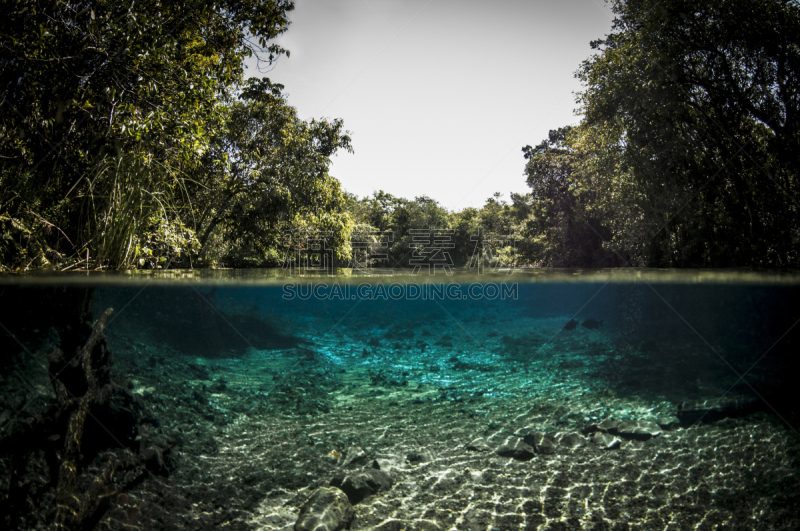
211 336
30 315
190 323
676 373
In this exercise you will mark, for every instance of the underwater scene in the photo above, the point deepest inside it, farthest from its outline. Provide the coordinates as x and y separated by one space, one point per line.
501 402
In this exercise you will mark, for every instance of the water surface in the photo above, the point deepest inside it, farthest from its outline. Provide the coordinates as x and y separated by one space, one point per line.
265 386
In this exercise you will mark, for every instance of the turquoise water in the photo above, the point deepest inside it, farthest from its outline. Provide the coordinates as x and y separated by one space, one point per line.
561 400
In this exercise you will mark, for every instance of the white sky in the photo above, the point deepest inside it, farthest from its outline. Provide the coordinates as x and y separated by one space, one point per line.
439 95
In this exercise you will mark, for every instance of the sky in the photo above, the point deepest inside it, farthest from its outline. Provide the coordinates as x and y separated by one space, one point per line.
439 96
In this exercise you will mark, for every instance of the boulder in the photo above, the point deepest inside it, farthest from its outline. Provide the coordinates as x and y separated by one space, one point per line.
541 442
359 485
715 409
571 440
328 509
609 425
517 449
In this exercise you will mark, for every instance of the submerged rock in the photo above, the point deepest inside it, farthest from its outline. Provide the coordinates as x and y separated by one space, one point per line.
609 425
668 422
541 442
638 429
606 441
395 464
712 410
571 440
591 324
415 458
478 445
328 509
517 449
630 429
359 485
354 457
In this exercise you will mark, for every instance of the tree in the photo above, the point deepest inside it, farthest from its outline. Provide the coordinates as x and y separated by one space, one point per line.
105 108
565 227
266 174
691 110
423 213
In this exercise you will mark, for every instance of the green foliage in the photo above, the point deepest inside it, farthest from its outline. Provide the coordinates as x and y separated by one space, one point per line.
123 144
164 243
266 174
691 124
423 213
138 222
106 106
564 228
490 234
129 138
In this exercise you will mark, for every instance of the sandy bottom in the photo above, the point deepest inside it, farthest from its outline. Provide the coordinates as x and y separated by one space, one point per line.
256 436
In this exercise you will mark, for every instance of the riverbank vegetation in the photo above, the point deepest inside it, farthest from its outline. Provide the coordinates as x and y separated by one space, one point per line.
130 137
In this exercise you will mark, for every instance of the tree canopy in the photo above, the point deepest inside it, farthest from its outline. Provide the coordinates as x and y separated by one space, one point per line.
687 151
129 137
114 126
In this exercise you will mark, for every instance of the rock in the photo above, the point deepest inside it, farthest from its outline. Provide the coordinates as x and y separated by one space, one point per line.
517 449
478 445
715 409
638 429
668 422
328 509
592 428
592 324
571 440
415 458
359 485
541 442
648 427
606 441
629 429
354 457
609 425
393 464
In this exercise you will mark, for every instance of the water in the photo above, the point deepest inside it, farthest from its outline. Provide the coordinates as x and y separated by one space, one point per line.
227 399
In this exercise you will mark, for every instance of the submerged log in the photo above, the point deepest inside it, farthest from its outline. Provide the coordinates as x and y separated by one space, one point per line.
692 411
97 438
72 508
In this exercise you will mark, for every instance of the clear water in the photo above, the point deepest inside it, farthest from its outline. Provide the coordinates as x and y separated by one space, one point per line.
266 387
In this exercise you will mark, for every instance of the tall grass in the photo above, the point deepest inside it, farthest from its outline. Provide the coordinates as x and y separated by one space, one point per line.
126 196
